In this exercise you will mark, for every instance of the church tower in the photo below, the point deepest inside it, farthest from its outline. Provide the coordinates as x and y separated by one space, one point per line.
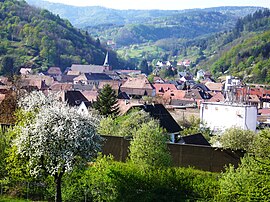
106 61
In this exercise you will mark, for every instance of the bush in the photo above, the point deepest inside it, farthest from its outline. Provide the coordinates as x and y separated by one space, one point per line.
108 180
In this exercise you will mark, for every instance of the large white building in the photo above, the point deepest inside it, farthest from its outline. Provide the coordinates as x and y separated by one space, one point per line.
221 116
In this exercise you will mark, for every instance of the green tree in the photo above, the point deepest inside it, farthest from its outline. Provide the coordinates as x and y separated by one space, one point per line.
148 146
250 181
144 67
48 50
236 139
193 125
7 66
123 126
106 103
57 139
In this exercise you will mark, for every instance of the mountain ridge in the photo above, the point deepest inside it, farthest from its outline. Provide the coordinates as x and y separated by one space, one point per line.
36 38
80 17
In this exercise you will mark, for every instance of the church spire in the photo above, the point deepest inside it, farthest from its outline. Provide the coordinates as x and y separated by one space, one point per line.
106 61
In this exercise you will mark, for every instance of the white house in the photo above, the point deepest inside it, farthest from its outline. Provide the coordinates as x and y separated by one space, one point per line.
83 108
221 116
200 74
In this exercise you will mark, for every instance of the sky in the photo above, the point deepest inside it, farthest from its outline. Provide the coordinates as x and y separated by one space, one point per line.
163 4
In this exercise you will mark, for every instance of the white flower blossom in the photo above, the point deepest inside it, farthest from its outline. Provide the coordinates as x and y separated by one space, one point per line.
58 136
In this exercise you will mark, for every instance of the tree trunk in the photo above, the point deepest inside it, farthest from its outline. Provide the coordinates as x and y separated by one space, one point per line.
58 194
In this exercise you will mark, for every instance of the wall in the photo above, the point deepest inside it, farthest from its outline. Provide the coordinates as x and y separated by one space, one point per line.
220 116
200 157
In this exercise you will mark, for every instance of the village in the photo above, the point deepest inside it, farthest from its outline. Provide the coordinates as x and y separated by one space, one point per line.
219 104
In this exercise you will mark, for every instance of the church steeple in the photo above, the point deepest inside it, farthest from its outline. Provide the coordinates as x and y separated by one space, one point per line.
106 61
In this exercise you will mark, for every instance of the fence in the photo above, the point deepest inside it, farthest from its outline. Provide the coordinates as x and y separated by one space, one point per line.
200 157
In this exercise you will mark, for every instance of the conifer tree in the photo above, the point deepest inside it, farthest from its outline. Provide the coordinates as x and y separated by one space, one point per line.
106 102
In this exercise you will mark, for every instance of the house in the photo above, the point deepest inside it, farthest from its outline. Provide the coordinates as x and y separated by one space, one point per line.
183 103
201 87
159 112
195 139
40 82
200 74
111 44
263 94
54 71
73 72
114 75
216 97
90 95
186 98
187 78
56 86
160 64
214 87
138 87
168 63
171 95
88 68
76 98
197 95
221 116
161 88
67 78
185 63
25 70
158 79
91 78
128 72
115 85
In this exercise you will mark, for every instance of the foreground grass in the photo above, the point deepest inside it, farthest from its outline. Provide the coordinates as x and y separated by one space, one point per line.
9 199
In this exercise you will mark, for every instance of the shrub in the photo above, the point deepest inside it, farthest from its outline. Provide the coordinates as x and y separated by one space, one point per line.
108 180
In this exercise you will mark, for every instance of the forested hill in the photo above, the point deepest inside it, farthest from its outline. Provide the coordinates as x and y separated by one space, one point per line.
39 39
245 51
95 15
126 27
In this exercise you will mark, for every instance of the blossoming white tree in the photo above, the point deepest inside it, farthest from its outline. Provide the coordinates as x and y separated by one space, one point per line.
57 139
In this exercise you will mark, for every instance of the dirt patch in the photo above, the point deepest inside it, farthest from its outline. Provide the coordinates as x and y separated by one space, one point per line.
184 114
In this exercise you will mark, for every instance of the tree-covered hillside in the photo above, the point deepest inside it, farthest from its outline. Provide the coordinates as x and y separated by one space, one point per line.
37 38
95 15
186 24
244 51
183 25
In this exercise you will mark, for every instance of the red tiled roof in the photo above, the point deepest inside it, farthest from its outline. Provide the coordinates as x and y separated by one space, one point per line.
61 86
161 88
90 95
264 111
54 71
216 97
137 83
214 86
174 94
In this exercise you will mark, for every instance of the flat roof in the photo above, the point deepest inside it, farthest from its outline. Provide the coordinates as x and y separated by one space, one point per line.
228 104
